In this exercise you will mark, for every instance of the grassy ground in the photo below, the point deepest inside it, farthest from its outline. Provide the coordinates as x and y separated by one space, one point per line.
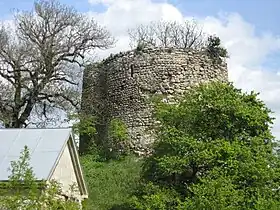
110 183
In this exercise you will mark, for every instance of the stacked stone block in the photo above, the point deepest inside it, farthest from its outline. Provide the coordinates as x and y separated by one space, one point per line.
121 85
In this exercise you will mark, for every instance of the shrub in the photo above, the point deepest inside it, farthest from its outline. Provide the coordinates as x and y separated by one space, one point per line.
214 151
215 50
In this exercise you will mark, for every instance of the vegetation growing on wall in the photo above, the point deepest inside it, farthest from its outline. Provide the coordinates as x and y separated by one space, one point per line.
215 50
113 146
117 139
175 35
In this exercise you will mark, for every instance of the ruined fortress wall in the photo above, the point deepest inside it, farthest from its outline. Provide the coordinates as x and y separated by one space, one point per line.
121 84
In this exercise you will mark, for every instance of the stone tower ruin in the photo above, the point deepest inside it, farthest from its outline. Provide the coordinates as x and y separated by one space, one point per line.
119 86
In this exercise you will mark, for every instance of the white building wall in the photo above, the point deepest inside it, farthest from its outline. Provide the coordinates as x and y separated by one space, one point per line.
64 173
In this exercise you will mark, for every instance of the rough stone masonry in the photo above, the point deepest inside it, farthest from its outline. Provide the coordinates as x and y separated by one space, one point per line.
119 86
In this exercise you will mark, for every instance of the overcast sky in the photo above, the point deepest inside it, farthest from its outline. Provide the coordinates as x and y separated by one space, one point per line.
248 29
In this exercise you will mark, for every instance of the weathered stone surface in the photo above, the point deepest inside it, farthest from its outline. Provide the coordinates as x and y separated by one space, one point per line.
120 85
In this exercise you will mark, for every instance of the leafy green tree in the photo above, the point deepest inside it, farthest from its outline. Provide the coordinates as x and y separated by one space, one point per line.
214 151
23 191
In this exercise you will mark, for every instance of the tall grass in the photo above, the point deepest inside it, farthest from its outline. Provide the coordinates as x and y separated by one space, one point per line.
110 183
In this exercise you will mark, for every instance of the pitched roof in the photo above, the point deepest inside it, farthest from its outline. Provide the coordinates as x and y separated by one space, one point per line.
45 146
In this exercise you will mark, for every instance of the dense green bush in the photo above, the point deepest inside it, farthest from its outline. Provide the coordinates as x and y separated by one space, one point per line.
214 151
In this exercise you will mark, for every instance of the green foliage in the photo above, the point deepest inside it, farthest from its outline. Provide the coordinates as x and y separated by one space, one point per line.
110 183
218 110
214 151
23 191
85 127
21 173
112 145
84 124
118 130
215 50
117 144
150 197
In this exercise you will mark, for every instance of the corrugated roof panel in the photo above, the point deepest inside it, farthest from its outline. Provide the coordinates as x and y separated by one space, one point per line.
28 135
44 145
5 165
42 163
10 136
49 140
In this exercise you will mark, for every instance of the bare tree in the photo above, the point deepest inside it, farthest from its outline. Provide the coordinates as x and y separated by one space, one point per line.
41 60
168 34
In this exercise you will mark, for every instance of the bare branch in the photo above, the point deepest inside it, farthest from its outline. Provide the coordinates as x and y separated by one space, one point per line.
168 34
40 58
